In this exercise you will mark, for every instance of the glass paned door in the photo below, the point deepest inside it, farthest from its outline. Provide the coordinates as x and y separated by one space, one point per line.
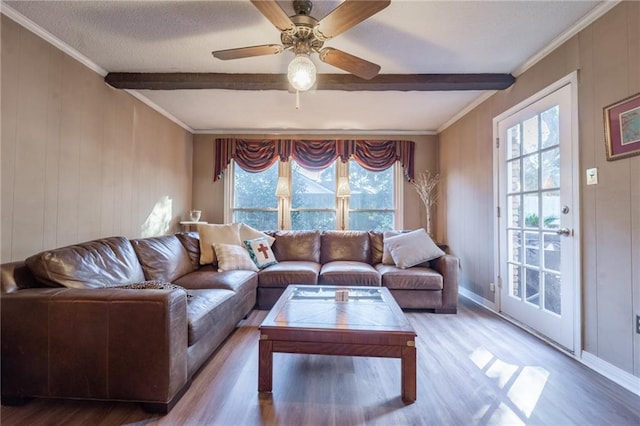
536 188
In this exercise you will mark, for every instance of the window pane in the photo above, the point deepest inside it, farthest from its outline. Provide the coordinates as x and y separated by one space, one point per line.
551 169
321 220
513 171
530 166
530 127
515 282
514 211
513 137
532 286
254 199
370 190
552 290
552 251
258 219
371 220
313 189
550 124
551 209
255 190
531 216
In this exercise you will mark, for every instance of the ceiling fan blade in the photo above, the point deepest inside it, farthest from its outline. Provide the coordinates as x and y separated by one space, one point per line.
347 15
274 13
343 60
247 52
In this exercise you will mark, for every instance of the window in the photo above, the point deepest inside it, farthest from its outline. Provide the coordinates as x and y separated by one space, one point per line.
313 200
372 203
254 200
313 203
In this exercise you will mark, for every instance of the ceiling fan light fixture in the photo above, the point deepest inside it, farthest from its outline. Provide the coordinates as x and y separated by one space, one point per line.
301 72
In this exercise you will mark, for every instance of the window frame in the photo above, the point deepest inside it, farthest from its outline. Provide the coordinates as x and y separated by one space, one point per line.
341 209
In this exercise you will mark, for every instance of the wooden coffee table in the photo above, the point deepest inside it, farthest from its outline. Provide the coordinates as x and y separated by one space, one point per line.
308 320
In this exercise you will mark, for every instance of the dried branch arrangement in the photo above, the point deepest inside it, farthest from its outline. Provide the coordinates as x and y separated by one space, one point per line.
425 184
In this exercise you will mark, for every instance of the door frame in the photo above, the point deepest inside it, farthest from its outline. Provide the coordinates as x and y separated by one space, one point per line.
571 80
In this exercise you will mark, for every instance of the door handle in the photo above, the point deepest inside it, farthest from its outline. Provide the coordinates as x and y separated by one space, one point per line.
564 231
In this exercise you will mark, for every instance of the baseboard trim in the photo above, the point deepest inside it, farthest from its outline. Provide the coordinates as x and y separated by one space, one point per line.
591 361
611 372
477 299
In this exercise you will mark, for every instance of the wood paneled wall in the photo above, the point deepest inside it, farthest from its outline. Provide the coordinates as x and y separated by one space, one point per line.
607 55
209 196
81 160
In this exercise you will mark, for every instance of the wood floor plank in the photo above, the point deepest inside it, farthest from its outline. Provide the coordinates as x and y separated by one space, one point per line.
472 368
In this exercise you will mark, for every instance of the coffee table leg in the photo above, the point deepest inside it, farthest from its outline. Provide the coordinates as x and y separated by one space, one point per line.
408 374
265 365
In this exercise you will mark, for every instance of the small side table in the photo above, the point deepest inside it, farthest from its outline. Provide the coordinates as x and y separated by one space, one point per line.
188 225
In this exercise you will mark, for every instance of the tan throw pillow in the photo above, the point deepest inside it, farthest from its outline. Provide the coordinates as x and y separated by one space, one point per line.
232 257
213 233
249 233
412 248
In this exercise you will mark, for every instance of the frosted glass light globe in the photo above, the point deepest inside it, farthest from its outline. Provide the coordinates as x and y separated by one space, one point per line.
301 73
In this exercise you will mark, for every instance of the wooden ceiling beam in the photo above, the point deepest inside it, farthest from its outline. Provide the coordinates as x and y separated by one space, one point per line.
345 82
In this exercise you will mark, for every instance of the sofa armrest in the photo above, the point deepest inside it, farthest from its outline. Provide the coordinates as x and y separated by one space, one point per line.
97 343
448 266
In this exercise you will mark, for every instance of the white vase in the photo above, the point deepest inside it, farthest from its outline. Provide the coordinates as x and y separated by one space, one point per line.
194 215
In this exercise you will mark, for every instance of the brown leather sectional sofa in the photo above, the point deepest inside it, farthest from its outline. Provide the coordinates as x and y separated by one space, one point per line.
68 331
355 258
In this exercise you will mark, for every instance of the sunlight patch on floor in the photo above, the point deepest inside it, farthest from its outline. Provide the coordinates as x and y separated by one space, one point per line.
518 389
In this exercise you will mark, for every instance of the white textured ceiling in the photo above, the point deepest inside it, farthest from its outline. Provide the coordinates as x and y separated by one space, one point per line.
408 37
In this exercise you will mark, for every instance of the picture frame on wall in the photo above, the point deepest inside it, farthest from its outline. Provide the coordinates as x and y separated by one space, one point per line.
622 128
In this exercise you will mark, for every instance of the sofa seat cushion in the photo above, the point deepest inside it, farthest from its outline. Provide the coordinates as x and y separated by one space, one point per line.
162 258
344 272
209 278
415 278
106 262
206 309
285 273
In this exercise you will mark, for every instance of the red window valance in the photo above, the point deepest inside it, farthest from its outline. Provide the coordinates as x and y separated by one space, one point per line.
259 155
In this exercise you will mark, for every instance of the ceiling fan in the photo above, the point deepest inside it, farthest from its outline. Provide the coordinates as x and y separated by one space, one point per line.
304 34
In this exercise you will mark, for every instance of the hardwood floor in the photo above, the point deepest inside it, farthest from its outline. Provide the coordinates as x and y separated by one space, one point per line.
473 368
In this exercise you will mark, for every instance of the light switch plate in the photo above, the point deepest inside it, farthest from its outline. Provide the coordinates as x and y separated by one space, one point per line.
592 176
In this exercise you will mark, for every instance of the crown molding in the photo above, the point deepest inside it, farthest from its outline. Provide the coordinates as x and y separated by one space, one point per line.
278 132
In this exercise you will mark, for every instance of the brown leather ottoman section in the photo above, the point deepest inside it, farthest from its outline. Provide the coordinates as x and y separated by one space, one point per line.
343 272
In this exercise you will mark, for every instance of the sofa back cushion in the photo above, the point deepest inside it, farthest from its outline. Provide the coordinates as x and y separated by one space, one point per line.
106 262
345 245
297 245
162 258
377 246
191 243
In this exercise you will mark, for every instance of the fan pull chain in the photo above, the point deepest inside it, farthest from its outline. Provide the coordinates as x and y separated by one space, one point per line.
297 99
